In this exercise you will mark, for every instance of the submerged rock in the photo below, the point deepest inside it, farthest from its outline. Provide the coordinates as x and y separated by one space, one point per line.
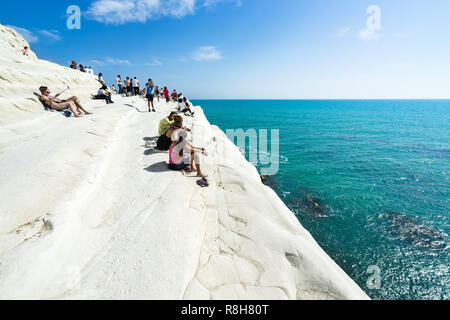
269 181
415 232
307 203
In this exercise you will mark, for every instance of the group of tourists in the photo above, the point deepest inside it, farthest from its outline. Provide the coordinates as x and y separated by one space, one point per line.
128 87
183 156
81 68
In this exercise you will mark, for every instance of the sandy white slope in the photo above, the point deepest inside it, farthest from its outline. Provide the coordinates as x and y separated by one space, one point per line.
119 225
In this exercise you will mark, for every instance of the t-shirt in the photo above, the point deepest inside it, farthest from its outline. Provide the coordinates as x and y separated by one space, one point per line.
174 154
101 92
149 88
164 125
135 83
119 81
166 93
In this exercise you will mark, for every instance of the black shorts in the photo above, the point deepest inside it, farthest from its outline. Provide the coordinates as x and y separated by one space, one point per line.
149 97
163 143
178 167
128 89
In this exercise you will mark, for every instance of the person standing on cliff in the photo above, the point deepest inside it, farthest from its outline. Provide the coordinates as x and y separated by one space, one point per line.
136 86
149 87
157 93
128 85
119 83
166 94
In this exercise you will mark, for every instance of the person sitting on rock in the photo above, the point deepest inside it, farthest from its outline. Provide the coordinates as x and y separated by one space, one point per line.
182 152
25 51
165 123
52 102
187 108
104 93
165 140
100 78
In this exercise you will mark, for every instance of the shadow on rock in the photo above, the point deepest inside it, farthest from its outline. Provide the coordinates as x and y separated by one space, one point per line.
150 138
158 167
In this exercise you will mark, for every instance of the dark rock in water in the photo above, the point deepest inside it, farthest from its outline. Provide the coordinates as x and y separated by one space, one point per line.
306 203
314 205
414 232
269 181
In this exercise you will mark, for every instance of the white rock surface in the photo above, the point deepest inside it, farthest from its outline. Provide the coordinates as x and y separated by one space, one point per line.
119 225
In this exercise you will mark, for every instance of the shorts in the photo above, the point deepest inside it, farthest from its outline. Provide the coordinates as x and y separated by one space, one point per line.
149 97
128 89
178 167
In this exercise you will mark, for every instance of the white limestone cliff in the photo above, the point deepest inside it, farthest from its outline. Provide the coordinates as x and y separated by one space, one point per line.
87 212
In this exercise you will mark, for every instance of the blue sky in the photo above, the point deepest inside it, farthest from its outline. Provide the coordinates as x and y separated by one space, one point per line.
265 49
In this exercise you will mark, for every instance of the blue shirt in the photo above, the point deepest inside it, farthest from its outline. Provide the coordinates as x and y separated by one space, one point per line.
149 88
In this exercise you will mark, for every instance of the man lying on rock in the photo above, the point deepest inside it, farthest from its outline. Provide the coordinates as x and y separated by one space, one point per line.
72 103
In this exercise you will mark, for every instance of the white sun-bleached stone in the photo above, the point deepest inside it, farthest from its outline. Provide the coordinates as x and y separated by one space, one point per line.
87 212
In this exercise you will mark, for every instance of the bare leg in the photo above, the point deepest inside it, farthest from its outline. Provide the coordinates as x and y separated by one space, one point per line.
66 105
195 165
78 104
74 109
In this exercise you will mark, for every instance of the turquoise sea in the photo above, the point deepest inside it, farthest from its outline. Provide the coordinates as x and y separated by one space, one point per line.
370 180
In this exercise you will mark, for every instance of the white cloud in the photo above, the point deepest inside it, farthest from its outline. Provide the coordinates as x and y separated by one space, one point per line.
207 54
211 3
124 11
110 61
368 34
98 63
342 33
154 63
113 61
52 34
28 35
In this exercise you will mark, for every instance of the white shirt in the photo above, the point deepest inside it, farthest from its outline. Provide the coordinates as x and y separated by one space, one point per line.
135 83
119 81
101 92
